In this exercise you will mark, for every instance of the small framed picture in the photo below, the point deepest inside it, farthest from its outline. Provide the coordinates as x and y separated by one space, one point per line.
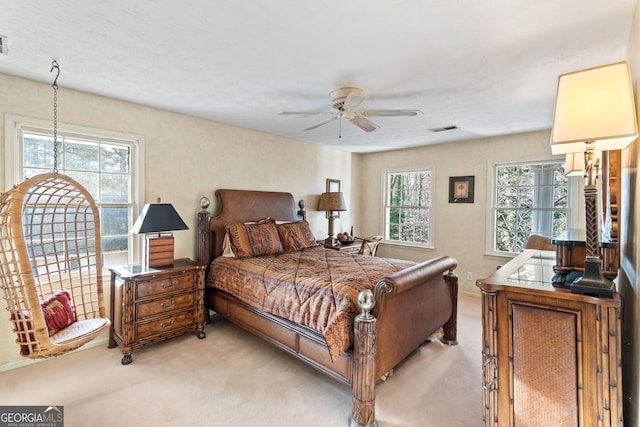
461 189
333 185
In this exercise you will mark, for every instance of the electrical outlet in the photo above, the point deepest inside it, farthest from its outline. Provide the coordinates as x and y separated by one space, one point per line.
469 275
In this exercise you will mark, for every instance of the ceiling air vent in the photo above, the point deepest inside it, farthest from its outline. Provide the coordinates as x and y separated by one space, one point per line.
3 44
444 128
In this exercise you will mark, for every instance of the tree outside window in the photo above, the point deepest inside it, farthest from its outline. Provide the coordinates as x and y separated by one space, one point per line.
103 167
529 199
408 206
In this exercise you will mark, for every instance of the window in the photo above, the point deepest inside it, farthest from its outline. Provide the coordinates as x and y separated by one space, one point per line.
103 162
529 198
408 207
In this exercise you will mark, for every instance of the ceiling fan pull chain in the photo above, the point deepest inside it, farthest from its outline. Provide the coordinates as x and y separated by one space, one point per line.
340 127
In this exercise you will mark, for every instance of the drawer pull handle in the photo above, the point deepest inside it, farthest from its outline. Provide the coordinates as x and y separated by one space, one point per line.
169 326
171 285
165 306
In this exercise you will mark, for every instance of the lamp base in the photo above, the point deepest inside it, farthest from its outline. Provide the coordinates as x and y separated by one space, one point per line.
592 282
159 250
331 241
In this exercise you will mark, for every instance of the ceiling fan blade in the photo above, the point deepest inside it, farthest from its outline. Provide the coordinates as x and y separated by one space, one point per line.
364 124
306 112
390 113
322 123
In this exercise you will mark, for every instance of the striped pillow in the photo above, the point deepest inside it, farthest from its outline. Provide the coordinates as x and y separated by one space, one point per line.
250 240
296 235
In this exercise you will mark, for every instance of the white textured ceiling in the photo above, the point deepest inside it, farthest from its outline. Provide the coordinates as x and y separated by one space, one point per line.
488 67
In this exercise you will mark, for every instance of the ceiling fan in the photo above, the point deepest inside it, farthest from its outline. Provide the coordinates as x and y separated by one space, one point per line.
349 103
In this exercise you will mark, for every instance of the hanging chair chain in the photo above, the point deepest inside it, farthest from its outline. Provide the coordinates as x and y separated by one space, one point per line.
54 65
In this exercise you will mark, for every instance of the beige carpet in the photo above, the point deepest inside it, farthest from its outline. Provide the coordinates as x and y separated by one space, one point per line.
234 379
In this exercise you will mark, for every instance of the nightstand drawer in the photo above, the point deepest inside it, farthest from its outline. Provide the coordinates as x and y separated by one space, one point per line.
165 284
164 325
165 305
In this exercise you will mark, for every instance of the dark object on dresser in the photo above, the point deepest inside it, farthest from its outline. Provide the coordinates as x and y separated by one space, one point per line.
383 338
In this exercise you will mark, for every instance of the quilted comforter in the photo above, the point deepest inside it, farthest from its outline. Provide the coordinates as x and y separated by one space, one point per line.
315 287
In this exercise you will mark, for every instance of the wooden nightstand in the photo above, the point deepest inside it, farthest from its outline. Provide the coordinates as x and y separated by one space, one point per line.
149 305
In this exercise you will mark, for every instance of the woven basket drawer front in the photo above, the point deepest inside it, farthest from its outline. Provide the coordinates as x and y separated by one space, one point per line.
166 305
165 285
164 325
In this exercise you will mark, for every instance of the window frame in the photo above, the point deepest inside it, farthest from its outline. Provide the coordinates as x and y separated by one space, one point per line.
385 192
16 126
574 192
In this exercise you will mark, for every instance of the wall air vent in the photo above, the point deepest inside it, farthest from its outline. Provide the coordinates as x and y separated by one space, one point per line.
444 128
3 45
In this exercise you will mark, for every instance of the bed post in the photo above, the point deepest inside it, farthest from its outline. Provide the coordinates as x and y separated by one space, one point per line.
364 352
203 238
450 328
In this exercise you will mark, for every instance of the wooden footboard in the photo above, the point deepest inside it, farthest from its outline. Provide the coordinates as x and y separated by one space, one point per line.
403 311
408 307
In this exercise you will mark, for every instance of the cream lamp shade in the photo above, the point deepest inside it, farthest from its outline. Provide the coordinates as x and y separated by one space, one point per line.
594 107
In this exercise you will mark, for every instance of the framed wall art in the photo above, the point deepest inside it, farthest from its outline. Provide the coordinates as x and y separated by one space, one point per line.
333 185
461 189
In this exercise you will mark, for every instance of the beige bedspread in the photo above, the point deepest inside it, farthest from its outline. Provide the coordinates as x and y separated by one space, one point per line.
314 287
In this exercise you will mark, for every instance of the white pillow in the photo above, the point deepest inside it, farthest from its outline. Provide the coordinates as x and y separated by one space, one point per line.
227 249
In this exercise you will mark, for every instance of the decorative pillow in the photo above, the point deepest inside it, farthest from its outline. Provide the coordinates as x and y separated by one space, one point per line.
258 239
58 311
296 235
228 249
22 324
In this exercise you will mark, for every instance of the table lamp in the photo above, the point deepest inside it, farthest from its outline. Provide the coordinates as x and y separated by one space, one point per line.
331 202
595 111
156 221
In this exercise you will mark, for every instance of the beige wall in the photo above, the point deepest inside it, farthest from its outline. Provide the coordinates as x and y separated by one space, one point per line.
186 158
628 284
459 229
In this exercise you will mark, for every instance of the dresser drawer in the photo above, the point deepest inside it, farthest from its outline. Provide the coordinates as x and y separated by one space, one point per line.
164 325
165 305
165 284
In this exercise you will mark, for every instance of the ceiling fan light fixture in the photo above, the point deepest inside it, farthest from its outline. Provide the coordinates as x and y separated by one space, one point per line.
348 98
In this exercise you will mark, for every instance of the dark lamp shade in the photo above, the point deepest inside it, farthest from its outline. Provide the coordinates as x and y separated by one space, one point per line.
158 217
332 202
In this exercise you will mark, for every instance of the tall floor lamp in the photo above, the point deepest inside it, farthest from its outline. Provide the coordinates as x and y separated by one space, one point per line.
594 112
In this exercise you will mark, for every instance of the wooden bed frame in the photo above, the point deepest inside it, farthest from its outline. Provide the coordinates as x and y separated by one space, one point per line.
405 309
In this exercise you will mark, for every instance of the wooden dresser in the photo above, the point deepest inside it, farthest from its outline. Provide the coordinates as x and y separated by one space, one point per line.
550 357
149 305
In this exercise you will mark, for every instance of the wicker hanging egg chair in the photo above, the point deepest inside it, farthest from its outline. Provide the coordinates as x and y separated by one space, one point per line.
51 265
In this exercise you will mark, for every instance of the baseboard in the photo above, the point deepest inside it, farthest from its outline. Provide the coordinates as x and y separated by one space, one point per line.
98 342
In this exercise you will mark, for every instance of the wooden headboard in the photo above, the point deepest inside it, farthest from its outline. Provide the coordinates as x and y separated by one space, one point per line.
240 206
